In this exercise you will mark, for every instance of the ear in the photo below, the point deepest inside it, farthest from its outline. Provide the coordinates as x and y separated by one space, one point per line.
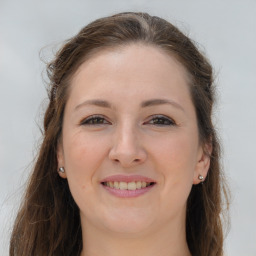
203 163
60 158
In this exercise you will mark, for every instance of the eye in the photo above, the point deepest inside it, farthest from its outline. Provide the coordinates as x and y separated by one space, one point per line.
94 120
160 120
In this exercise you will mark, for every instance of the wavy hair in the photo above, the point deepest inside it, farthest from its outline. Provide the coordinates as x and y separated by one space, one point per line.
48 222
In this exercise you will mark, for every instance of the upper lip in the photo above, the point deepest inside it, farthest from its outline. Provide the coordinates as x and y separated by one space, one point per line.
127 178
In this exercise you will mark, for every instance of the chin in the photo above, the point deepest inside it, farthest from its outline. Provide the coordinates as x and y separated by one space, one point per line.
127 229
133 222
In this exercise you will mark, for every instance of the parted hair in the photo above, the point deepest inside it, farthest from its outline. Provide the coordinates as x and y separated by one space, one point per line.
48 221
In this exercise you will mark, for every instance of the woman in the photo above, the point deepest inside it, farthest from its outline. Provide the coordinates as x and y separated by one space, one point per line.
129 163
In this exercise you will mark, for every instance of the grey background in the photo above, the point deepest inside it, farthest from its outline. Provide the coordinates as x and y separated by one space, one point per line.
225 30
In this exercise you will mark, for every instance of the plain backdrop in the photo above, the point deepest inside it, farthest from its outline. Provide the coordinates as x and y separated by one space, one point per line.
225 31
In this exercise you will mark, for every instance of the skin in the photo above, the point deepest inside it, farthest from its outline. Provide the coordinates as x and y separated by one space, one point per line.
129 140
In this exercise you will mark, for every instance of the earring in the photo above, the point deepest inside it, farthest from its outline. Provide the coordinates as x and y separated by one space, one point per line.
200 177
61 169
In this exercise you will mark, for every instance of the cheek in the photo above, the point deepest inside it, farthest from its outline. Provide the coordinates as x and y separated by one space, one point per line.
175 158
82 155
177 151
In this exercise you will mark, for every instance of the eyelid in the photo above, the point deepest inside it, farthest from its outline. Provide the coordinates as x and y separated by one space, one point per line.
171 120
86 120
91 117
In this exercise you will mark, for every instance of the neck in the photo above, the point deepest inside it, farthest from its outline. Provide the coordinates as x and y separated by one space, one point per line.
166 241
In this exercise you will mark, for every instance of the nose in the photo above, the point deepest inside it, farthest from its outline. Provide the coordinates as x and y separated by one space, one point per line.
126 147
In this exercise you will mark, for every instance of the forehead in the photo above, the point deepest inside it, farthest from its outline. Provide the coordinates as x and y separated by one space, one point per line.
133 70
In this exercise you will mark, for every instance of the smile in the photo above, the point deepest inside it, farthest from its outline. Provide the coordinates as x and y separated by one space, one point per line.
128 185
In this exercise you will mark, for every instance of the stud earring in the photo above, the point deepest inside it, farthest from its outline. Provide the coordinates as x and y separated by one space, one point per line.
61 169
200 177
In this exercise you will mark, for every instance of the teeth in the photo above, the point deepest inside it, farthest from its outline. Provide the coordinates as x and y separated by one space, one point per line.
116 184
143 184
138 184
123 185
131 186
110 184
127 185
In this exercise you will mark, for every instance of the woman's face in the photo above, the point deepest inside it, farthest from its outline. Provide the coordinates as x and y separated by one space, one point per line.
130 114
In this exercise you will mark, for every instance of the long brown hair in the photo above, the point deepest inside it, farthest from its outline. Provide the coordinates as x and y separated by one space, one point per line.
48 221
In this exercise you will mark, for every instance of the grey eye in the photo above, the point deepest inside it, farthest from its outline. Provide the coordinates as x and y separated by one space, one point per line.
161 121
94 120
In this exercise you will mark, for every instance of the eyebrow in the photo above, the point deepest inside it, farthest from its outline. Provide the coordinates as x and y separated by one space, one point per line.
96 102
147 103
154 102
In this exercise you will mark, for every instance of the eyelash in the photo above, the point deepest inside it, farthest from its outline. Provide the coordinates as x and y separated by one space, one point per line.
164 121
90 120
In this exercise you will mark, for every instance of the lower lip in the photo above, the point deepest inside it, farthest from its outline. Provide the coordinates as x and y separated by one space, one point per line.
128 193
